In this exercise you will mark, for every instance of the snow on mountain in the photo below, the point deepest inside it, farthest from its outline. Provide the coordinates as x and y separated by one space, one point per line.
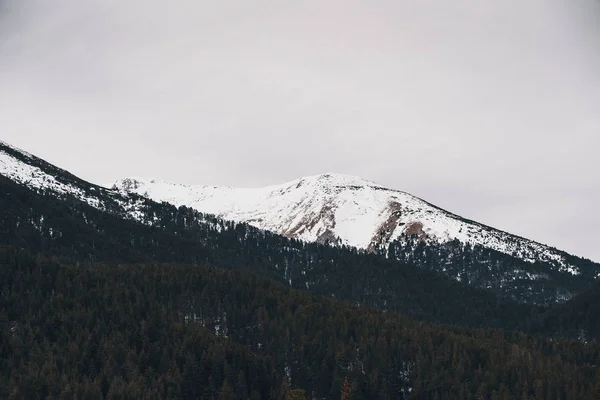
19 171
29 170
334 208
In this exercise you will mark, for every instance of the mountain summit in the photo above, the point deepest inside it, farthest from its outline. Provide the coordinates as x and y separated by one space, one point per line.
342 209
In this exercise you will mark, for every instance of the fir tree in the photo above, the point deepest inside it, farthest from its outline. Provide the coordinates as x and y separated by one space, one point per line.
226 393
346 390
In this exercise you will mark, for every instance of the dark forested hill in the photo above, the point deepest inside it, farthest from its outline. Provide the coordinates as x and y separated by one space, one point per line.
578 318
506 276
172 331
69 228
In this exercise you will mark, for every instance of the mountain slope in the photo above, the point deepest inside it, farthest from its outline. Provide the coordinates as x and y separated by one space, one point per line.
346 210
109 219
73 230
63 225
41 176
577 318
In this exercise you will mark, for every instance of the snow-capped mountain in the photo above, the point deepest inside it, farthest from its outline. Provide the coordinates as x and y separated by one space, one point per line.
330 208
334 208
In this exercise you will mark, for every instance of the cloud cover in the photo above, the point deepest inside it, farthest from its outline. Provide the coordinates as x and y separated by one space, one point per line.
487 109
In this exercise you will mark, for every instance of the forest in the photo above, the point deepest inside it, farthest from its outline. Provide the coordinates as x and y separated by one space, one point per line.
185 305
176 331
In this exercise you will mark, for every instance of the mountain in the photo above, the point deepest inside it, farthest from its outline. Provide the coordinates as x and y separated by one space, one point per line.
342 209
114 295
316 209
328 208
62 224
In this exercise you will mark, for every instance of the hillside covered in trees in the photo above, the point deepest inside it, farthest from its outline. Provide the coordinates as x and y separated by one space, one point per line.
178 304
508 277
578 318
175 331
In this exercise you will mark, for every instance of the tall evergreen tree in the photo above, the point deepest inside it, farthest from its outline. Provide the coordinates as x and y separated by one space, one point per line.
346 390
226 393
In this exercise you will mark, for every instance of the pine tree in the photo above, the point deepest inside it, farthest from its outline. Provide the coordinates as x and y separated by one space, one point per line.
226 393
346 390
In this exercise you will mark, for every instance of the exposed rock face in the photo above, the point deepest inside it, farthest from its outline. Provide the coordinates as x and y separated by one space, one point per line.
128 185
414 228
387 229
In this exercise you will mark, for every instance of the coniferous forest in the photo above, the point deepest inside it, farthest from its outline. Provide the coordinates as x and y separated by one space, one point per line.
186 306
175 331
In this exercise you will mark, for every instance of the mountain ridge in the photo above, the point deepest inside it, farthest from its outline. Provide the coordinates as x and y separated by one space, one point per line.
345 210
28 169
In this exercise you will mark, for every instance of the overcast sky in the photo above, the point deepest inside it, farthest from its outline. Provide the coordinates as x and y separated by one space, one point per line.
489 109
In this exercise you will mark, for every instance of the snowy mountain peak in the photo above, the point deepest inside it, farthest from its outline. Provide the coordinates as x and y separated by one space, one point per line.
327 208
129 185
341 209
335 180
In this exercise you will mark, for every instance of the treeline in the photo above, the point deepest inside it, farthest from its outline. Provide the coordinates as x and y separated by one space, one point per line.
172 331
578 318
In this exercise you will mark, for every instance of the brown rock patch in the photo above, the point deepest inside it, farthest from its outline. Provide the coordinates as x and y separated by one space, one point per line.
386 230
326 214
414 228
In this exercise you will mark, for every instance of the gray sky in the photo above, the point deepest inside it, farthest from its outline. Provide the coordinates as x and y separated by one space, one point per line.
486 108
